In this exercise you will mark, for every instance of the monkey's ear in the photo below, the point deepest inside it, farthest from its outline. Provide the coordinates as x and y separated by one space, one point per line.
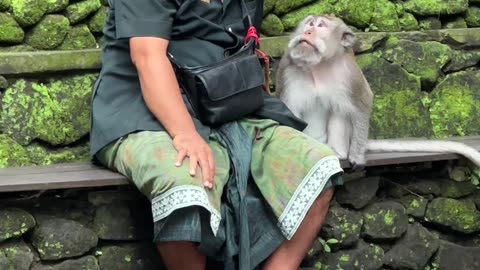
348 38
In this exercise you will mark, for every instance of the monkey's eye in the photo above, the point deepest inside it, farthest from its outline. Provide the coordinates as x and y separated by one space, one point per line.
321 24
311 23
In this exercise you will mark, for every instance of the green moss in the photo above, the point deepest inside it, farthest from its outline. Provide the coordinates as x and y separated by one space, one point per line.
56 112
472 17
49 32
461 216
400 114
350 12
56 5
268 6
80 10
79 37
408 22
435 7
458 22
429 23
11 153
42 156
455 106
384 17
292 19
96 23
285 6
10 30
5 4
389 217
272 26
11 221
28 12
424 59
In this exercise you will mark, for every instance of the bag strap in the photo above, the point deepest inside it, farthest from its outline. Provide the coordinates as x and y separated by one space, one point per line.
251 31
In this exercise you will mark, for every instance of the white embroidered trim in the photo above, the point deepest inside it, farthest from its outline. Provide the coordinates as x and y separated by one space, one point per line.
306 193
184 196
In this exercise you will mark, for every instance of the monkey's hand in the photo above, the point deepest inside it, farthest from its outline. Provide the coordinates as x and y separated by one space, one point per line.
358 162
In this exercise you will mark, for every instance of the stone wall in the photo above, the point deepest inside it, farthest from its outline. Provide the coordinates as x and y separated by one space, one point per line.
374 15
27 25
414 217
425 85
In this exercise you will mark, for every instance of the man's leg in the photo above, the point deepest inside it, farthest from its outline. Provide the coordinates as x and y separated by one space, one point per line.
147 159
291 253
181 256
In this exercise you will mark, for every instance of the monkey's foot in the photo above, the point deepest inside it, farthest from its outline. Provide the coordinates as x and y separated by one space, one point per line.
357 162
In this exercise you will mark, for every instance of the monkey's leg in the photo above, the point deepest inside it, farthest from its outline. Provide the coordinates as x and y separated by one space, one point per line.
317 119
339 134
360 124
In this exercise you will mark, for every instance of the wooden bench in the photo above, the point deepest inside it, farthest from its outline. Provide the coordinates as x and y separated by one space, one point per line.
83 175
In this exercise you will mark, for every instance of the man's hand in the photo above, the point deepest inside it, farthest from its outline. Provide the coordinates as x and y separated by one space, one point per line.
193 146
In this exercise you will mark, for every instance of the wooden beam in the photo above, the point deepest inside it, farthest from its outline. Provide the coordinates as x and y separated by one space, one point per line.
82 175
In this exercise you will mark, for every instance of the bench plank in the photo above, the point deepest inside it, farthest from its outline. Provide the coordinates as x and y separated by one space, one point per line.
80 175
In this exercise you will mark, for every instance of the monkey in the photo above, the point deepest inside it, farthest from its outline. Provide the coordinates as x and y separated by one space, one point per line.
319 80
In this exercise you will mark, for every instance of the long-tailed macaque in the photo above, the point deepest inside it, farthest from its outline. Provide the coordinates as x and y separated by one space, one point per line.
321 83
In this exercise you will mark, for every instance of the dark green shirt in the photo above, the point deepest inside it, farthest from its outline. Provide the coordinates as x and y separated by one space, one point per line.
199 32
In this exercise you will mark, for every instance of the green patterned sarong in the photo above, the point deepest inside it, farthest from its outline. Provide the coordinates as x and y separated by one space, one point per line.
288 169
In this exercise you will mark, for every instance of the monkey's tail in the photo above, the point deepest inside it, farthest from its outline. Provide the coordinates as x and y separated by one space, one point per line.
425 146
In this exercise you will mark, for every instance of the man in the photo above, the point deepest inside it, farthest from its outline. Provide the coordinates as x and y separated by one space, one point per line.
142 127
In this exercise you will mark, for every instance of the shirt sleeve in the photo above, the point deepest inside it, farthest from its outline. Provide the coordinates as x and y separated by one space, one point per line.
144 18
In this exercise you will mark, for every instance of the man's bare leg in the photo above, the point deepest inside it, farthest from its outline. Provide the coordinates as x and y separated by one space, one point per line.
290 253
181 256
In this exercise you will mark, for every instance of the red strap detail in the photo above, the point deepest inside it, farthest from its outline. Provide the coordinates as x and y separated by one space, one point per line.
252 33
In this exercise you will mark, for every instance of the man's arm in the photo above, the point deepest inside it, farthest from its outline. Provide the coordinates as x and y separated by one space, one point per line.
162 95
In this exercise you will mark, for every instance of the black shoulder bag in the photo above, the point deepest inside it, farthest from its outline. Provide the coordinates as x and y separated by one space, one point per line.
229 89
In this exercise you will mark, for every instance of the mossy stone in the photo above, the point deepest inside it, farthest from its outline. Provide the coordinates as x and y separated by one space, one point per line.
80 10
455 105
369 42
424 59
344 225
384 221
3 83
384 17
429 23
97 21
350 12
5 5
12 154
28 12
292 19
40 155
17 255
385 77
84 263
17 48
272 25
268 6
400 114
408 22
10 30
48 33
460 216
79 37
455 23
14 222
435 7
284 6
56 5
56 112
57 238
141 255
472 17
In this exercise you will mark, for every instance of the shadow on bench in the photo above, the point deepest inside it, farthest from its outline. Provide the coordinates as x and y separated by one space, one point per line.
81 175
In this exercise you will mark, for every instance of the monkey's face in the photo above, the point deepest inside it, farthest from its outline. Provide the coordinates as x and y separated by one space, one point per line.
319 38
